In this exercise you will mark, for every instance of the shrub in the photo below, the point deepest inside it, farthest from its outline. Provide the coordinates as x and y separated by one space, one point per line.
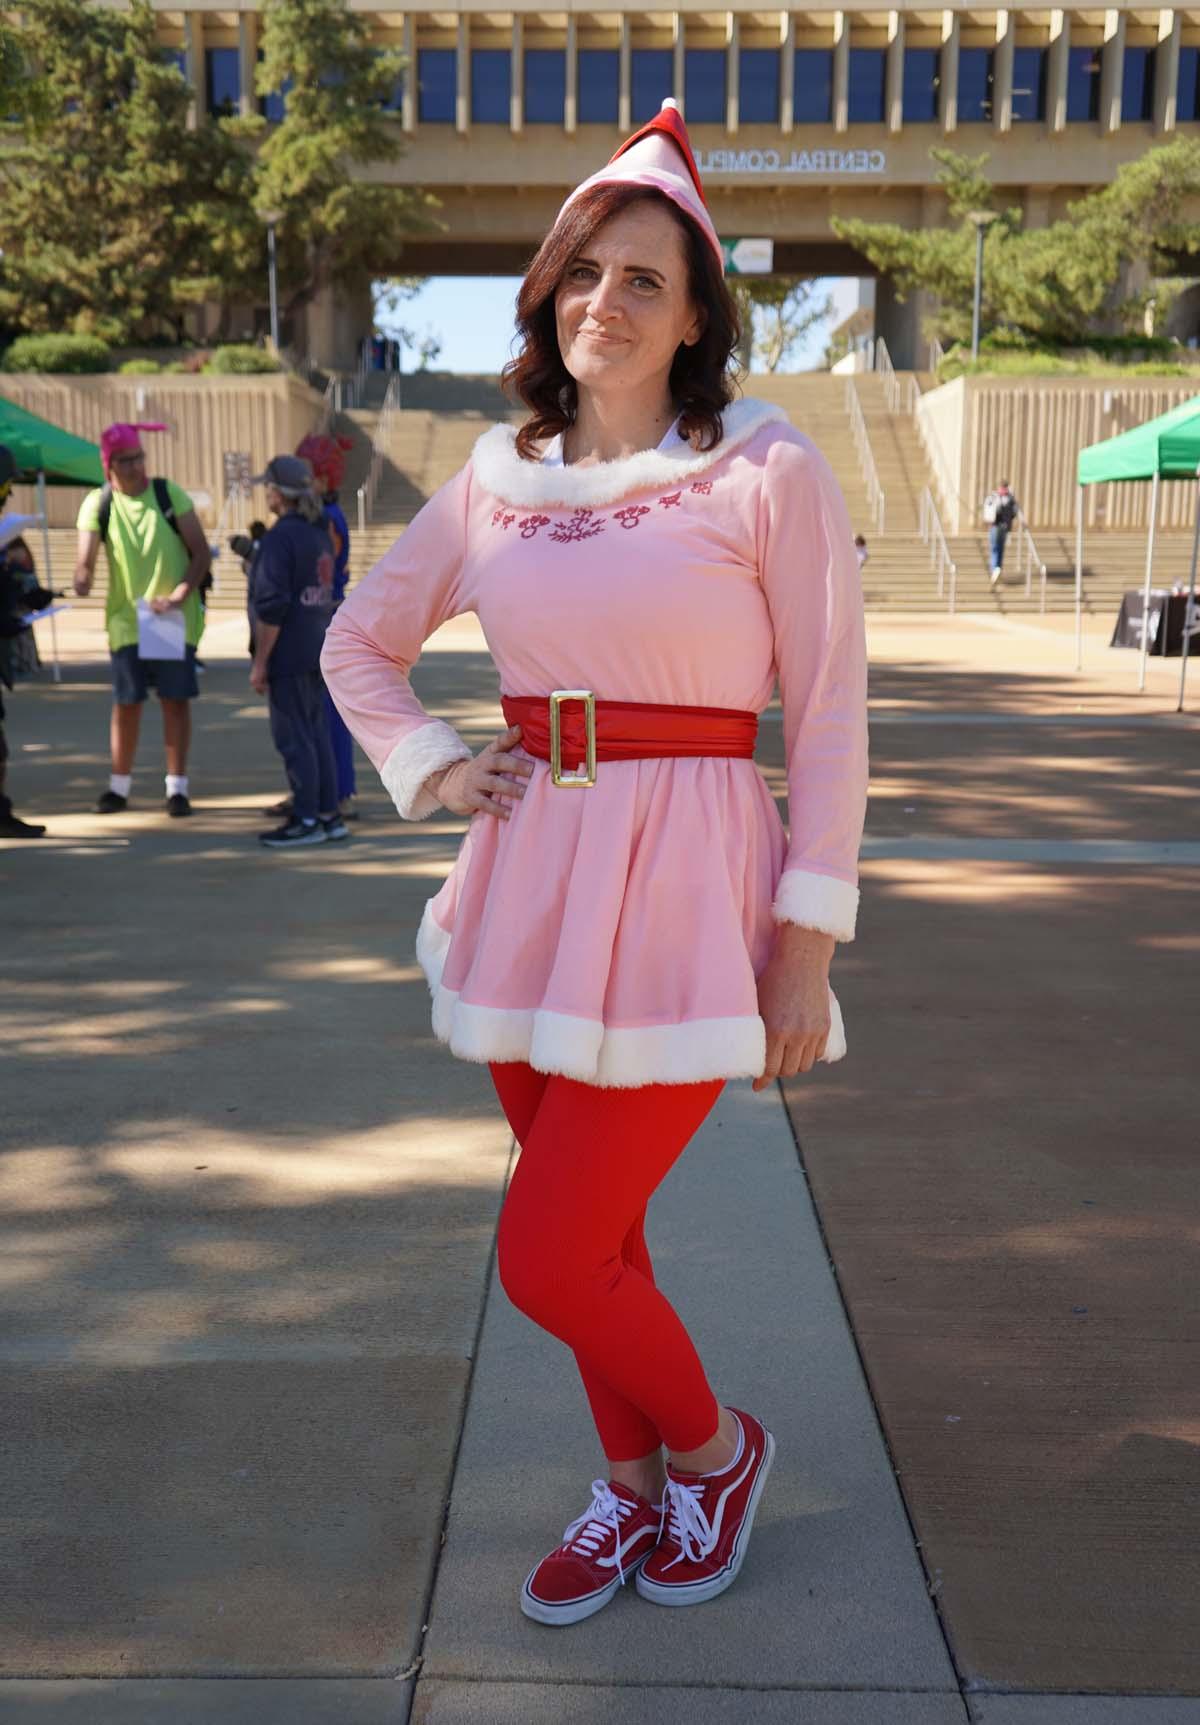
174 365
138 367
242 359
57 353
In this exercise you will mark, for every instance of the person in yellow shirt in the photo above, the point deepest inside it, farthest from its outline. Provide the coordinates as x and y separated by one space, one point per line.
157 553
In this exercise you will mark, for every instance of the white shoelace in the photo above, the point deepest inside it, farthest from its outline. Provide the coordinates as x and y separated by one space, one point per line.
588 1533
688 1524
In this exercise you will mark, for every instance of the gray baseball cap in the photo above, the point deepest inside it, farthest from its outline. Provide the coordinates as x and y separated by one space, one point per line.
290 474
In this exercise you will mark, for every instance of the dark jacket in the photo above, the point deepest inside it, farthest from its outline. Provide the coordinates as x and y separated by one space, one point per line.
293 587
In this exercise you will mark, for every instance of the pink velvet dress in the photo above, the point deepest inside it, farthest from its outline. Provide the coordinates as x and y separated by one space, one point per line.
615 934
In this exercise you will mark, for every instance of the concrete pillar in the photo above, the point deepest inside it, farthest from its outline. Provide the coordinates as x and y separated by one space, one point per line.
625 86
193 65
1166 72
335 322
732 41
899 325
841 71
571 98
678 63
893 98
462 73
247 63
1002 72
787 71
516 97
408 97
1056 71
1112 71
949 72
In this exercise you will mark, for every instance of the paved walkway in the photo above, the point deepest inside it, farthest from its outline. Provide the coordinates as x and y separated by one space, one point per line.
252 1346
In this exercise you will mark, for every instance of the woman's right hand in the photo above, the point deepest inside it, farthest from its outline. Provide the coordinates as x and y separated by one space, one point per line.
486 784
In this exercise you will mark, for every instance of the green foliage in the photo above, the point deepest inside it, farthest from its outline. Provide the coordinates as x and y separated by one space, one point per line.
776 313
331 225
1052 286
999 360
138 368
57 353
241 360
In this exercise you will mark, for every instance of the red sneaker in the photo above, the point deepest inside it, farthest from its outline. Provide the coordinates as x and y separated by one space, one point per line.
609 1542
708 1522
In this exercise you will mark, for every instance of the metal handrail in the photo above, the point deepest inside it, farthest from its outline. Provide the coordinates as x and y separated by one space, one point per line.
870 473
937 354
1027 552
380 444
933 533
891 383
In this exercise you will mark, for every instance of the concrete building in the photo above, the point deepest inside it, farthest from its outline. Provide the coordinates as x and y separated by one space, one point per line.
795 116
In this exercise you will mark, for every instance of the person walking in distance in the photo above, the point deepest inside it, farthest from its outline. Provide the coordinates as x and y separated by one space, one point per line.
642 554
157 557
327 456
1000 510
292 602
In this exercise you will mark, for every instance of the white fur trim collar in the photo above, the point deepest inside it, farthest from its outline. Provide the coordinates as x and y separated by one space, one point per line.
502 473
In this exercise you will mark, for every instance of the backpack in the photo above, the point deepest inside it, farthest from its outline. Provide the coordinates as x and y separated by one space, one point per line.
997 509
991 505
162 496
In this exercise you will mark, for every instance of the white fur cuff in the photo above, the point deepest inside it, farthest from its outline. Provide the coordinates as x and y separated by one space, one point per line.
411 762
817 901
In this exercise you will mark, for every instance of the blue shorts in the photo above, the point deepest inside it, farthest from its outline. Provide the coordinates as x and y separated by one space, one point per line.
174 679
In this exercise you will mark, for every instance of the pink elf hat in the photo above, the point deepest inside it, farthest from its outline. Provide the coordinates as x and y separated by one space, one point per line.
659 156
120 438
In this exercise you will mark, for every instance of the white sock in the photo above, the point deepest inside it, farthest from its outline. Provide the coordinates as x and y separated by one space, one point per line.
119 783
736 1457
177 784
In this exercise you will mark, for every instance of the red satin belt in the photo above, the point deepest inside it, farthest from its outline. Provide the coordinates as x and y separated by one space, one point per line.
633 730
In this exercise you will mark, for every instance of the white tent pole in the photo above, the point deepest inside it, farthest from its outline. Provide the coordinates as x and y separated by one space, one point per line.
41 500
1146 590
1078 578
1191 601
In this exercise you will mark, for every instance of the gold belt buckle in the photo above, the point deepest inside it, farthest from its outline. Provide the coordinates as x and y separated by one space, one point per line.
573 781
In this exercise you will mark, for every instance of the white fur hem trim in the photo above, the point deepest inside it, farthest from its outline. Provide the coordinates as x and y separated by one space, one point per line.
410 763
585 1049
502 473
817 901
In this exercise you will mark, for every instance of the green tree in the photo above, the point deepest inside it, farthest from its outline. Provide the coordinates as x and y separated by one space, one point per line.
334 82
776 314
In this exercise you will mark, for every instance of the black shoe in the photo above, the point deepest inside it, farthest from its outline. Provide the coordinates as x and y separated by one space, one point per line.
293 834
13 827
111 804
336 828
178 805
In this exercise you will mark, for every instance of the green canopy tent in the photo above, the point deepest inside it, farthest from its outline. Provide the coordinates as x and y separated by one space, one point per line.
47 455
1164 448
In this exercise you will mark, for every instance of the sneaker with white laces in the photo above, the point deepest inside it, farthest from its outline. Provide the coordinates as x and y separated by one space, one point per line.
607 1544
707 1524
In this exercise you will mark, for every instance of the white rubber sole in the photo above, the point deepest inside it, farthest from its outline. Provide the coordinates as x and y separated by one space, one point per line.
696 1592
574 1610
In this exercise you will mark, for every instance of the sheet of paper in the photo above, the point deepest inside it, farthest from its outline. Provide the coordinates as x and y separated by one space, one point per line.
33 617
160 634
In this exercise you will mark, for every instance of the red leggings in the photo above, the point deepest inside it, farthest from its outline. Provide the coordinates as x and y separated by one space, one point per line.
572 1252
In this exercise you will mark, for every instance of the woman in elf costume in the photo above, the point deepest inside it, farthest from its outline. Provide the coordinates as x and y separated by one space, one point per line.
627 925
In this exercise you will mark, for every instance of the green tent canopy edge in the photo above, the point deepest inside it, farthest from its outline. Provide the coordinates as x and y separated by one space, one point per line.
1168 446
40 447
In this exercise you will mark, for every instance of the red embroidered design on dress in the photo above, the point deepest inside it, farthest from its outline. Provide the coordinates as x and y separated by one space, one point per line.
704 486
531 523
580 526
671 502
502 519
630 516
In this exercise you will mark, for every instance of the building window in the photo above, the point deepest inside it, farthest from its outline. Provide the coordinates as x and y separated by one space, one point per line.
1083 84
653 76
273 106
922 77
436 76
491 86
758 86
176 57
223 81
814 86
599 78
1187 102
545 86
975 73
1137 85
393 101
867 67
1029 84
704 86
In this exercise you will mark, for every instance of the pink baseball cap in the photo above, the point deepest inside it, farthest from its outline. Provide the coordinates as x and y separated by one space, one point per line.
119 439
659 157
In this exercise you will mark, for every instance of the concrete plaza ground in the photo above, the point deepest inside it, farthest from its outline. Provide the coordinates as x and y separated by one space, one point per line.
252 1347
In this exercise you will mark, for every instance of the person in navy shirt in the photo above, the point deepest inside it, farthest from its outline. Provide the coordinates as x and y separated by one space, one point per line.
339 736
293 600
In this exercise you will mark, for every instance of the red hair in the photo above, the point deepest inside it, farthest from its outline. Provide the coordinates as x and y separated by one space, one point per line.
700 380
